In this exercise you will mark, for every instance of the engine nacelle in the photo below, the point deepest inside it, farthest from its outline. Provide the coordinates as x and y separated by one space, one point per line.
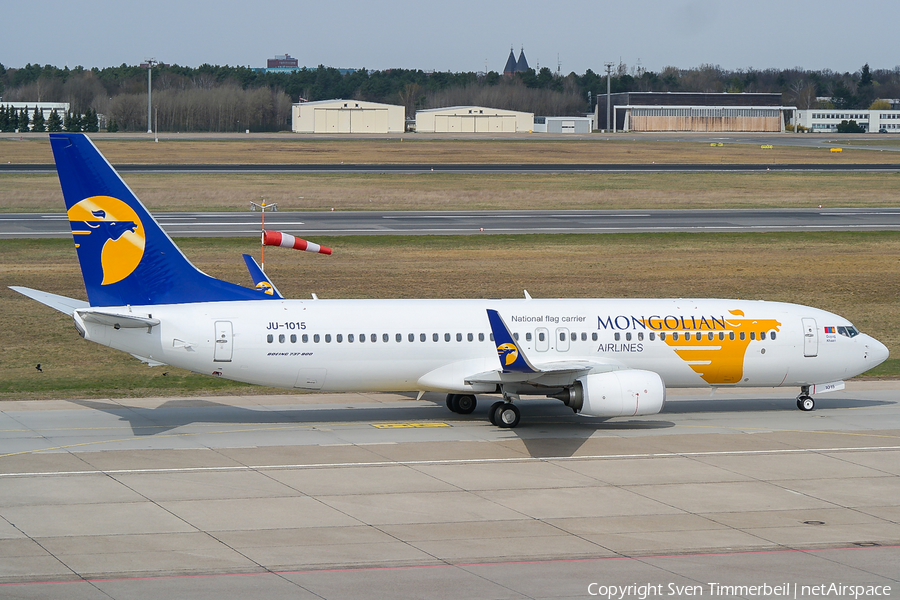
626 393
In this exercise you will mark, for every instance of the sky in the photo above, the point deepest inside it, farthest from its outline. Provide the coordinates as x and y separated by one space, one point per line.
461 35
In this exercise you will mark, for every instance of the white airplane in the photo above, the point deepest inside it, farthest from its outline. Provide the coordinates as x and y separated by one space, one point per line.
602 358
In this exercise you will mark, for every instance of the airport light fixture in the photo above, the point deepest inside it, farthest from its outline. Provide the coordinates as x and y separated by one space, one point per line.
150 64
609 67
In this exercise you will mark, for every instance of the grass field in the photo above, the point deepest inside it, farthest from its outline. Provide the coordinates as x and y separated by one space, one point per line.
856 275
531 149
485 191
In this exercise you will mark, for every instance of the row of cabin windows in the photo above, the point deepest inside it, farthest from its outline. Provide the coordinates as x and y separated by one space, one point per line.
710 336
572 336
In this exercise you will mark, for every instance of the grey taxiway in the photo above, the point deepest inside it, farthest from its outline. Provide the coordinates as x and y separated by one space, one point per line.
329 223
386 496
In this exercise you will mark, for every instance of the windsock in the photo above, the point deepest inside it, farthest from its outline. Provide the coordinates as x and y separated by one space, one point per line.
276 238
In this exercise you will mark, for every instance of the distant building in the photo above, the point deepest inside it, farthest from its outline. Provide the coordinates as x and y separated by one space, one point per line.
61 108
514 66
819 120
473 119
563 124
282 61
347 116
693 111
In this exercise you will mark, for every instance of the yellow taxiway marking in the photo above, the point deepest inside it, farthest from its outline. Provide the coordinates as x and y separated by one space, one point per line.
408 425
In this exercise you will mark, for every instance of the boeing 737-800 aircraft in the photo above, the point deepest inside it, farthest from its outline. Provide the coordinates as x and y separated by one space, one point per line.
602 358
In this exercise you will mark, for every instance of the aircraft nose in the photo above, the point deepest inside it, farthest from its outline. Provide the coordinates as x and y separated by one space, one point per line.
876 352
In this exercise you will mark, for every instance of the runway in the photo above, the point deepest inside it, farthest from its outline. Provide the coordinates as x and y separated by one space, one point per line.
381 495
326 223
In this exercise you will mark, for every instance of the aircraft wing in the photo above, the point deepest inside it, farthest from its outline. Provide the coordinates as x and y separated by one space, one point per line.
551 373
60 303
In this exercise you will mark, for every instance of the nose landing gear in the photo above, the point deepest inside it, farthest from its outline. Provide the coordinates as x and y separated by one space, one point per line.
805 402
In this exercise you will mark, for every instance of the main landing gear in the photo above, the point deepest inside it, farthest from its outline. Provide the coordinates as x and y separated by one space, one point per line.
462 404
502 414
805 402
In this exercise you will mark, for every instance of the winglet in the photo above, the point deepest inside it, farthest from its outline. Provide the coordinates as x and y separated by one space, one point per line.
512 359
260 279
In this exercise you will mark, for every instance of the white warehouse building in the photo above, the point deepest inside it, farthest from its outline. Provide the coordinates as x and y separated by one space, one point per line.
826 120
473 119
347 116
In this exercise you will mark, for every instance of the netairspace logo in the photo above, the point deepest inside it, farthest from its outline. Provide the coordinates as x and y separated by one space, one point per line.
715 590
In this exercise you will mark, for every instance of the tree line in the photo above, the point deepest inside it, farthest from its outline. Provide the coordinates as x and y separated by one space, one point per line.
225 98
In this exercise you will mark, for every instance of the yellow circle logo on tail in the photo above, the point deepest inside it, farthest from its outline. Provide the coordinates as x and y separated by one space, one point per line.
265 287
112 228
508 352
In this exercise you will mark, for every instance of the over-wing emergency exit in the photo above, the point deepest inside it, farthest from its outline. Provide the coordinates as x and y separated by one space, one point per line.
601 357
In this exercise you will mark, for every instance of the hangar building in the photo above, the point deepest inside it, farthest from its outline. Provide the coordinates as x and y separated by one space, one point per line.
693 111
347 116
473 119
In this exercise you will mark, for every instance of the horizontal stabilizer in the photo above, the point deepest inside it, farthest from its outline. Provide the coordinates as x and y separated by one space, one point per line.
117 320
60 303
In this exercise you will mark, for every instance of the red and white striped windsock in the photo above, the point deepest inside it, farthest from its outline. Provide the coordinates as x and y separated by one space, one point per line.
276 238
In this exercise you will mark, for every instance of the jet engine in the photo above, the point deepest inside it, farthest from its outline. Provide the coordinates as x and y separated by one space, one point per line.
626 393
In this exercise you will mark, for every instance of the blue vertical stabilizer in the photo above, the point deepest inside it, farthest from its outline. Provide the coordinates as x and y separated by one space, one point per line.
125 256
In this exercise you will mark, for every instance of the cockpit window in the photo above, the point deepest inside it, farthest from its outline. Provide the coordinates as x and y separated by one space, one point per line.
848 331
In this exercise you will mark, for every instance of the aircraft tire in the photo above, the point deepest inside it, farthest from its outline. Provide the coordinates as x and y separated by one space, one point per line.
465 404
453 402
507 415
492 412
806 403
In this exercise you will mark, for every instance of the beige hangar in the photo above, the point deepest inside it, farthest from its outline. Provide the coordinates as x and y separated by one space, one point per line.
473 119
347 116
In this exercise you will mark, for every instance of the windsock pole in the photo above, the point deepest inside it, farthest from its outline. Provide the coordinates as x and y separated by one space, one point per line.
262 208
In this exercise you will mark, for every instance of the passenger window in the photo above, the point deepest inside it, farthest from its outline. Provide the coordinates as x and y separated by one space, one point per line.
762 335
435 337
709 336
516 336
373 337
339 338
399 337
411 337
316 338
491 337
458 337
721 335
281 338
270 338
422 337
470 337
675 336
327 338
640 335
594 336
743 336
305 338
293 338
385 338
446 337
350 338
652 336
618 336
772 336
583 336
480 337
662 336
362 337
628 336
731 335
541 336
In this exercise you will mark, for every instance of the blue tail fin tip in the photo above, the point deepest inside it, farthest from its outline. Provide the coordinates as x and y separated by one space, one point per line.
125 256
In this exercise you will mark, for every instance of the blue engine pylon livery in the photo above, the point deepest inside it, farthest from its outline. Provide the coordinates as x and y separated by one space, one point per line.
125 257
601 357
